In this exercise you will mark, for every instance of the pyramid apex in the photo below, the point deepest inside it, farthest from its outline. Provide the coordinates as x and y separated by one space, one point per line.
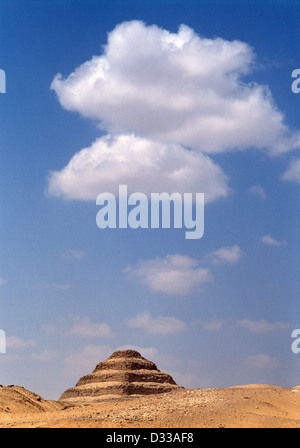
127 353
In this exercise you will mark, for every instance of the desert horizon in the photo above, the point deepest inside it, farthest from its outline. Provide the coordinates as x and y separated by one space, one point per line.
128 391
242 406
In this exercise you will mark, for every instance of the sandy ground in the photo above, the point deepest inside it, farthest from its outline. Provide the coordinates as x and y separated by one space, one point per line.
251 406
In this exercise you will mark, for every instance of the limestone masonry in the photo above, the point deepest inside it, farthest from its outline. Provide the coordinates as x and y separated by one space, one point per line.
124 373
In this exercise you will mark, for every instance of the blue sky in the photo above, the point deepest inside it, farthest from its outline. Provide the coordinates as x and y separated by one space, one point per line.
213 312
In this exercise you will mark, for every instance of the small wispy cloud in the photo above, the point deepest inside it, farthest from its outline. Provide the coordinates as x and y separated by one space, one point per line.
2 281
174 274
11 358
191 381
259 191
229 254
164 361
268 239
82 326
158 325
292 173
209 325
261 326
13 342
262 361
74 253
77 363
45 355
62 287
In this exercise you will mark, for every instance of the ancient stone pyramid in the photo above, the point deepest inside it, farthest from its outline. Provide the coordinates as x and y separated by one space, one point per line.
124 373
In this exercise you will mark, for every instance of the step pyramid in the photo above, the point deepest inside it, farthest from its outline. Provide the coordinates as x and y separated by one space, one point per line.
125 373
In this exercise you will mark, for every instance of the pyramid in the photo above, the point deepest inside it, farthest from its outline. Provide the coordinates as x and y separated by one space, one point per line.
125 373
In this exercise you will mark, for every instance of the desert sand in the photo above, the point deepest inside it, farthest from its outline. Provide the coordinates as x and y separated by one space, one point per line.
249 406
128 391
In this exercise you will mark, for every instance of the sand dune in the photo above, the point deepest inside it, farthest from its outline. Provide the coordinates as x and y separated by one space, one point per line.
17 399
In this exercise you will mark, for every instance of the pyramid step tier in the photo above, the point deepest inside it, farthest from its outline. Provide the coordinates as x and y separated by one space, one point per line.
125 364
115 388
143 376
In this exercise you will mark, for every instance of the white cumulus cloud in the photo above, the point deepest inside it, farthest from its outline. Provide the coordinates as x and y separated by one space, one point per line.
164 99
176 87
143 165
174 274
